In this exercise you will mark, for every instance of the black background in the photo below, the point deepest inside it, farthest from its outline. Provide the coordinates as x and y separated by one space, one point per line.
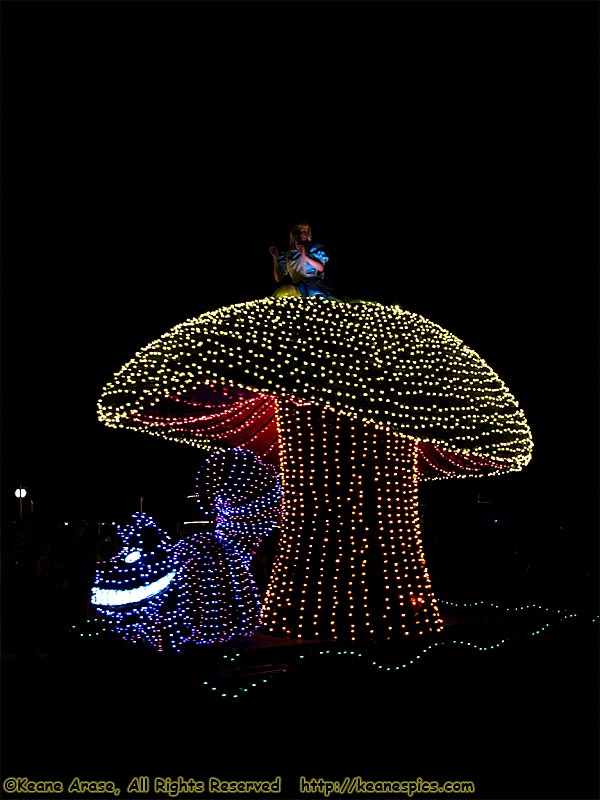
445 153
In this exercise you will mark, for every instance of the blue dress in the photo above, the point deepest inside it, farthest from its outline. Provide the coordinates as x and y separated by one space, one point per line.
302 275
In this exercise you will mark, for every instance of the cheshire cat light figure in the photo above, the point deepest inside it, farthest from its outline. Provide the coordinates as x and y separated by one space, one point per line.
354 403
170 594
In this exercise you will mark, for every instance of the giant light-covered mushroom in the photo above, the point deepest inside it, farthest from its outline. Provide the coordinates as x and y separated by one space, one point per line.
354 403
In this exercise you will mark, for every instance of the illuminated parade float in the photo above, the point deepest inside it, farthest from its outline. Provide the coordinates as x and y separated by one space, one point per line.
341 408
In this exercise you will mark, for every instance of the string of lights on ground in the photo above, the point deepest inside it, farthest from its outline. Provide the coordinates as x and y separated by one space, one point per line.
236 671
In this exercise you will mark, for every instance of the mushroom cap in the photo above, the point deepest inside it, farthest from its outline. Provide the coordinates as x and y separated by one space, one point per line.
213 381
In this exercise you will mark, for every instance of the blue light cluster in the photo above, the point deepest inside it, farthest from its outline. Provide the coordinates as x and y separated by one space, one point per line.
245 495
169 594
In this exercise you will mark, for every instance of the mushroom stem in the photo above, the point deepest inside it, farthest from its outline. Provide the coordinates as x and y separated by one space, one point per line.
350 563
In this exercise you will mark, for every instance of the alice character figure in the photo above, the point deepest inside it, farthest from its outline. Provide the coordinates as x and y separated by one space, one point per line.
300 270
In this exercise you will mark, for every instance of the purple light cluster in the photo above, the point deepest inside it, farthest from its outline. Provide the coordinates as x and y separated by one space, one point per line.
169 594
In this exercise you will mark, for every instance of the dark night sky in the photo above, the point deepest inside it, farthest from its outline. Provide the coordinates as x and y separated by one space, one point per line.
445 153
